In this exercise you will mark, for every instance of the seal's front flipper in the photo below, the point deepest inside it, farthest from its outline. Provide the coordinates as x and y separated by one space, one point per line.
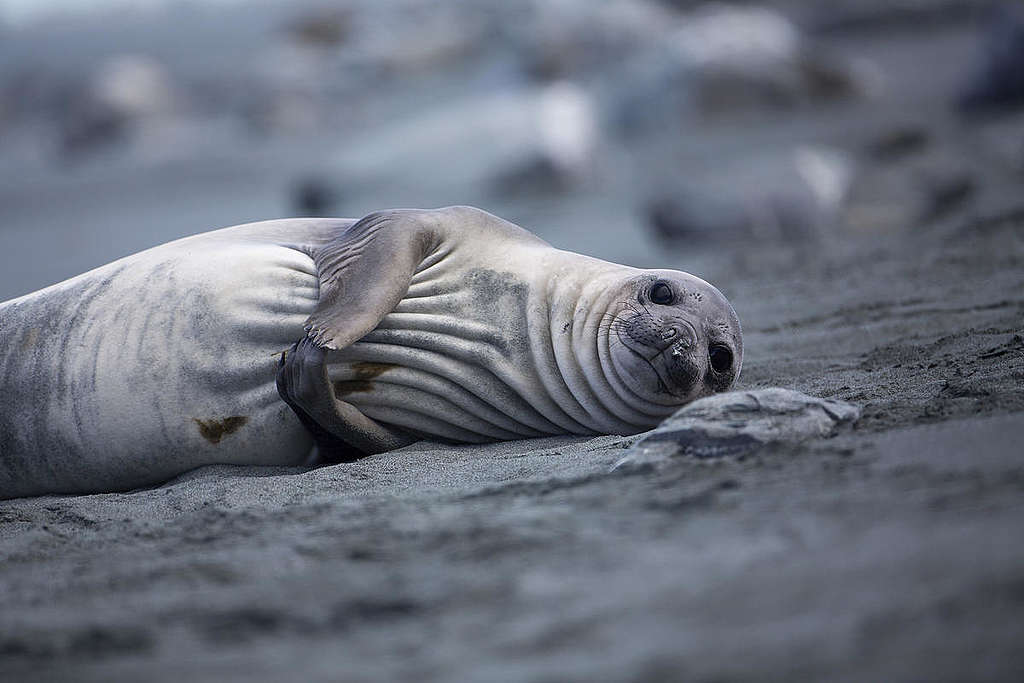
365 271
341 432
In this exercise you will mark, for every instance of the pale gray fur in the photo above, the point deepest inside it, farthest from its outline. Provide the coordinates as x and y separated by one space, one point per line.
496 335
448 324
108 378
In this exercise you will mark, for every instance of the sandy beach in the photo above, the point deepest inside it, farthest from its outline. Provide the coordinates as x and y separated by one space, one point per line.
888 552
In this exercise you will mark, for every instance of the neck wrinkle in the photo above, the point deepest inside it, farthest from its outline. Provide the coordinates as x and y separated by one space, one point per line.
623 408
545 320
576 350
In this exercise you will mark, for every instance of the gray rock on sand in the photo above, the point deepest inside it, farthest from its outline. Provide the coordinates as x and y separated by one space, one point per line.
740 422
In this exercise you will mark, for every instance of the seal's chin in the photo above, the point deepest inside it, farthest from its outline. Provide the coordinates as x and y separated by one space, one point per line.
677 374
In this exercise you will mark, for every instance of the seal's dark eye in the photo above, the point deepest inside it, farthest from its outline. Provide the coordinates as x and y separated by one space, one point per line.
721 357
660 293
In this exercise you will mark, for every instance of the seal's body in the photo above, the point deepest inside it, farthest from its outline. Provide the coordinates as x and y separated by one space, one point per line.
449 324
154 364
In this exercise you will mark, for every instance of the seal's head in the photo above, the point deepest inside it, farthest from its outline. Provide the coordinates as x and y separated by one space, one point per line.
674 338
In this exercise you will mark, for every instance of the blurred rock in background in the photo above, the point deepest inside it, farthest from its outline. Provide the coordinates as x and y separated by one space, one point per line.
791 197
630 129
997 80
720 60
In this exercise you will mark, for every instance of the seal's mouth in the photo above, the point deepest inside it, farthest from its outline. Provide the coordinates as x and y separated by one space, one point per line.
675 352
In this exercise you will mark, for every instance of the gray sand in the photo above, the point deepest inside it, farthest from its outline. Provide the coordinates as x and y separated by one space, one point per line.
889 552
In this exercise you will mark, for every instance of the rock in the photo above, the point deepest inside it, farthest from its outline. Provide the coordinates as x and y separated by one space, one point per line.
795 196
685 215
914 192
898 143
740 422
570 39
407 37
311 196
90 128
858 17
135 86
325 28
997 81
945 193
722 59
126 96
477 149
568 135
537 175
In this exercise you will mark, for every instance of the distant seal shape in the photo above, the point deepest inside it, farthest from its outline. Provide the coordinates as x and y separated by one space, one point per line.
448 324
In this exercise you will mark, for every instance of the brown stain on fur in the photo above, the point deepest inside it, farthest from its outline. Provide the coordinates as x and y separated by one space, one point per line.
31 337
215 430
364 374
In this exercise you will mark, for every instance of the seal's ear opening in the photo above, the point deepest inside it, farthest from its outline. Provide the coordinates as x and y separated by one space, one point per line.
365 271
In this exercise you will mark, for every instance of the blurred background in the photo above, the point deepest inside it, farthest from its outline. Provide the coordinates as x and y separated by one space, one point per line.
649 132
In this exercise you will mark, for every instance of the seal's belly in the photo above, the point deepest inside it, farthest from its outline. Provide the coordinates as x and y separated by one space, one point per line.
399 377
150 366
453 361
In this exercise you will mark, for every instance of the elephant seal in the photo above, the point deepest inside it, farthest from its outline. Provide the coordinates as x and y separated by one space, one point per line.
448 324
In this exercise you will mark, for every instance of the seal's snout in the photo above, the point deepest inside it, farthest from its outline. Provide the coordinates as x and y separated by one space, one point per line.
680 336
661 334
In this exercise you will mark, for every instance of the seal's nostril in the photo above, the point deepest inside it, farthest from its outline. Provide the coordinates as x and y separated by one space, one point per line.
668 334
721 357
